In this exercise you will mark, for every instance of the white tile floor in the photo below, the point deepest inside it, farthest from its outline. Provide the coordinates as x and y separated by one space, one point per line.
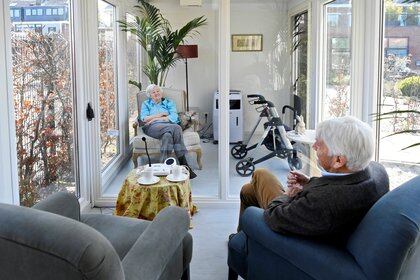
210 234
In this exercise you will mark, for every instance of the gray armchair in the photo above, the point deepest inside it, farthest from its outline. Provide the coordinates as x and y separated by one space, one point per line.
53 240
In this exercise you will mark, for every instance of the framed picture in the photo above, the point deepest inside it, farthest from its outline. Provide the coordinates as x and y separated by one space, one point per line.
247 42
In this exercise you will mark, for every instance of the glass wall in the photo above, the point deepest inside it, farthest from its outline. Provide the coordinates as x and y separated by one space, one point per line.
201 140
43 98
300 24
335 99
133 75
108 98
260 65
400 92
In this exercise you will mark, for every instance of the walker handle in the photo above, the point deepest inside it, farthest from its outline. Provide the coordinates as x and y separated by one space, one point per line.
265 102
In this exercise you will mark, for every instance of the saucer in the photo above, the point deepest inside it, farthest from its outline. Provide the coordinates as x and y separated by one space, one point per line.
181 178
142 181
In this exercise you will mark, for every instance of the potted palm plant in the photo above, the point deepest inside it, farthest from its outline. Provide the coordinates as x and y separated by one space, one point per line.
156 36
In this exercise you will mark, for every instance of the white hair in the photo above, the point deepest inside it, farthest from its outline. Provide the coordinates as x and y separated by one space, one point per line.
150 88
349 137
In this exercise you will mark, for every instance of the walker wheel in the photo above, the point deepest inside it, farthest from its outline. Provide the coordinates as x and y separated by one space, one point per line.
238 151
294 163
245 167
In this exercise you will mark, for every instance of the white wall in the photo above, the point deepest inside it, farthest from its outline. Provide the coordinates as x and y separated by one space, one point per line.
266 72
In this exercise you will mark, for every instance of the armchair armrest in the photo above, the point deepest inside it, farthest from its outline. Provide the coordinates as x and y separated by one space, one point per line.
61 203
313 257
151 253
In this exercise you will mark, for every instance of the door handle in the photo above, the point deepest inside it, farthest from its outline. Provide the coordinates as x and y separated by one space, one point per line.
90 114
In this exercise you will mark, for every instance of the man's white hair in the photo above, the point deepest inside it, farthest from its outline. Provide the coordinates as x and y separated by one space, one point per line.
150 88
349 137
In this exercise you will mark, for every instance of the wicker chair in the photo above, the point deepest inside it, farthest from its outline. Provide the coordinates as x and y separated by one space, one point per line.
190 135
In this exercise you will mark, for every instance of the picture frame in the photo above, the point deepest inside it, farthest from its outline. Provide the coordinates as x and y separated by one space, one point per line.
247 42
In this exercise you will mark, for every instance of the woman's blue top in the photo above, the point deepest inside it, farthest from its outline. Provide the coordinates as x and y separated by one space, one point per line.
149 107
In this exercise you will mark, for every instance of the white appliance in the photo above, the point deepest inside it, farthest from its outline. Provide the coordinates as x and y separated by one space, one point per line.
236 129
162 169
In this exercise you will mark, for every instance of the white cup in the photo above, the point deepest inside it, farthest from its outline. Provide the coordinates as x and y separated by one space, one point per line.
176 171
147 173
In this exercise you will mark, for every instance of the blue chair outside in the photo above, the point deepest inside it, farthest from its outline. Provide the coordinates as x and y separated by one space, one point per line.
385 245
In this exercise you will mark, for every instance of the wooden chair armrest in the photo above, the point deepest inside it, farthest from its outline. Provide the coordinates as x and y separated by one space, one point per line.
135 125
195 123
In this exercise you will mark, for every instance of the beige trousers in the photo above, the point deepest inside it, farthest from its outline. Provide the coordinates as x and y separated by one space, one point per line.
262 189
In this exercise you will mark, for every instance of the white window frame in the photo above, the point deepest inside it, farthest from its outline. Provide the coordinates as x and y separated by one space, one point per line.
9 192
132 12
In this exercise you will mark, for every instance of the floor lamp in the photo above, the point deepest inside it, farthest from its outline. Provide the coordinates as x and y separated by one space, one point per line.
187 51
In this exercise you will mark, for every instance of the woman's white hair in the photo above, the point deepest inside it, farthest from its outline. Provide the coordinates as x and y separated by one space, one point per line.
349 137
150 88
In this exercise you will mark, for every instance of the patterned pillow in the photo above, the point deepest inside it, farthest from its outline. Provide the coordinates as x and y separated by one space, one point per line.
186 119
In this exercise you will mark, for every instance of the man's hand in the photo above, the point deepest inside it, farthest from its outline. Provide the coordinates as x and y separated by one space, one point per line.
296 179
292 191
164 114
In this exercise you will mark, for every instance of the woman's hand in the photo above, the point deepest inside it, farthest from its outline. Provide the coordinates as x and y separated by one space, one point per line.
152 118
157 119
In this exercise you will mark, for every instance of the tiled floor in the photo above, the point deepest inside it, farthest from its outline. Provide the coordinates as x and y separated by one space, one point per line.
210 234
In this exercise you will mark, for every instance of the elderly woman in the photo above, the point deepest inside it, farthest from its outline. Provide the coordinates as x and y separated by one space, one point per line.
161 121
330 205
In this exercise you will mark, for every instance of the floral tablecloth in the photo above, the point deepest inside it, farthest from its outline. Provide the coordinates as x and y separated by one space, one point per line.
145 202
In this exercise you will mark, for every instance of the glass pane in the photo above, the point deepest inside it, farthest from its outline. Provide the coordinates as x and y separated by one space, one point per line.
42 88
133 74
261 146
202 84
300 61
108 100
400 91
336 93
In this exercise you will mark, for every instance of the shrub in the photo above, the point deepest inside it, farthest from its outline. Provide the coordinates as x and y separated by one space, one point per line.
410 86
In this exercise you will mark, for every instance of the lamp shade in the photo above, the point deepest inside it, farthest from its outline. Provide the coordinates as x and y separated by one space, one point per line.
187 51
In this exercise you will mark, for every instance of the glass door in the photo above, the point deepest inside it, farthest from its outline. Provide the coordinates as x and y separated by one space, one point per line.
108 93
44 98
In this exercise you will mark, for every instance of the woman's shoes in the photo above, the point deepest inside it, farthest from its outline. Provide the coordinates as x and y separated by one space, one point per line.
183 161
192 174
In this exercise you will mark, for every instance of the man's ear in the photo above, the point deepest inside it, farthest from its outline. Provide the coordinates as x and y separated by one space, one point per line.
339 161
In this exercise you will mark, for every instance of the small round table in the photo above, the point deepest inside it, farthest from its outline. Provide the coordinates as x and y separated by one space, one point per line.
146 201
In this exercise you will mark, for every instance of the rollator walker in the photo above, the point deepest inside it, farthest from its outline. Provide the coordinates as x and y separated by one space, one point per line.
274 139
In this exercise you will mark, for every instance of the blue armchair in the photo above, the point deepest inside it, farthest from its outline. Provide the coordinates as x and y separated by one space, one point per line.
385 245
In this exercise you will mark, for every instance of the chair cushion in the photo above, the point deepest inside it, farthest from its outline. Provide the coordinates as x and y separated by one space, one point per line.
191 138
122 232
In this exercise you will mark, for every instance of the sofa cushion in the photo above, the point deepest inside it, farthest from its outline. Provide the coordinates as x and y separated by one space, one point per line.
191 138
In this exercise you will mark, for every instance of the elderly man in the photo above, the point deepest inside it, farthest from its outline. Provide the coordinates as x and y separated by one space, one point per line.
332 204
